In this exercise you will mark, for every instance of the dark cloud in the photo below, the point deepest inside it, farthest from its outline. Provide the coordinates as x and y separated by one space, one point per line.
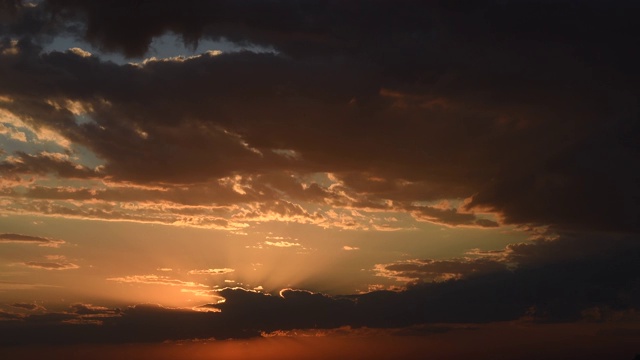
4 316
438 270
28 239
28 306
88 309
45 163
559 279
418 102
569 248
141 323
448 216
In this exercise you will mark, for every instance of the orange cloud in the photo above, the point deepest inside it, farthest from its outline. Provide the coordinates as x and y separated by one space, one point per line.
156 280
211 271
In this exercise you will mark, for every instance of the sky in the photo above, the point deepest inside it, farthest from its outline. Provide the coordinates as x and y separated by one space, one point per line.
319 179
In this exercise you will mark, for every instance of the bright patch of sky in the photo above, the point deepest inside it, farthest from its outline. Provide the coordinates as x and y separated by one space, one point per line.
31 142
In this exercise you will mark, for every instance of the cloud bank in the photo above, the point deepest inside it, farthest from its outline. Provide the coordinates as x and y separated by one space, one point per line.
593 283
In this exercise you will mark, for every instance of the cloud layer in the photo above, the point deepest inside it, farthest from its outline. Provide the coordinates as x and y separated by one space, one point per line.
405 106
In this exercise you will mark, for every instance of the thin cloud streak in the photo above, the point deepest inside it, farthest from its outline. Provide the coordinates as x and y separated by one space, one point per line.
28 239
45 265
155 280
211 271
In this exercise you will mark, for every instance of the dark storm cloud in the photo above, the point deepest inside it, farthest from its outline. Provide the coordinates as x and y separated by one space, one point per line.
528 108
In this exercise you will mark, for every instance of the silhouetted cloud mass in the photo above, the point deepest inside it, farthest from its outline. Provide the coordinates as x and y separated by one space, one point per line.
541 288
421 101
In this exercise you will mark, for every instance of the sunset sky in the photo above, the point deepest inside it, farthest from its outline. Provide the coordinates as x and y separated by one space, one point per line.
319 179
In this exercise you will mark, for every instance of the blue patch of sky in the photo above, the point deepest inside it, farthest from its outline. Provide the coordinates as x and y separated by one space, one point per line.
166 46
83 119
33 145
86 157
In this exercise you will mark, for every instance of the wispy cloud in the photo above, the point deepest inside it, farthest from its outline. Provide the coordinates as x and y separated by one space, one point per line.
15 285
282 244
28 239
54 262
90 309
211 271
51 265
28 306
155 280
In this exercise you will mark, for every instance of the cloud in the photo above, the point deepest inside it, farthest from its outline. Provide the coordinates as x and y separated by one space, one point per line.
89 309
211 271
28 239
28 306
539 252
160 213
473 129
45 163
4 316
12 133
439 270
50 265
14 285
283 244
450 217
155 280
279 210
